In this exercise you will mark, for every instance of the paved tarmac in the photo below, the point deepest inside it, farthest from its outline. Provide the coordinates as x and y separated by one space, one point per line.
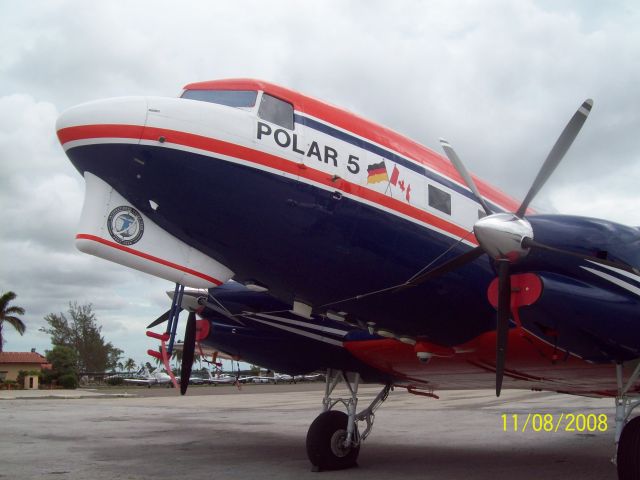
259 432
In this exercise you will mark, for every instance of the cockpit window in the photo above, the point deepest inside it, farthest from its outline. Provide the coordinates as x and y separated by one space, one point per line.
276 111
231 98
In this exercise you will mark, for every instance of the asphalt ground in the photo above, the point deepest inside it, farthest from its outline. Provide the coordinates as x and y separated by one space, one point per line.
259 432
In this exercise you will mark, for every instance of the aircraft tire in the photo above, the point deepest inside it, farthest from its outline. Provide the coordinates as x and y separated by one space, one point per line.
628 456
324 439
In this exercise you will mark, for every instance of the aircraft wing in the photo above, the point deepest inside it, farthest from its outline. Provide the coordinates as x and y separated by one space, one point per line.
137 381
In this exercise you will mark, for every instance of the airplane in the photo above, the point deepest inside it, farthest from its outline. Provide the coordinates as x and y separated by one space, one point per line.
220 378
196 380
313 377
263 377
323 241
257 379
157 377
308 378
283 377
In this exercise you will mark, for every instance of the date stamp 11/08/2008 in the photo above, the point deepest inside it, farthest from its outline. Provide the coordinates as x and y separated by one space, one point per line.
550 423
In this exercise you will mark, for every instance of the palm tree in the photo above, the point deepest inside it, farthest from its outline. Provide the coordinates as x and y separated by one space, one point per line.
7 314
176 356
177 353
129 365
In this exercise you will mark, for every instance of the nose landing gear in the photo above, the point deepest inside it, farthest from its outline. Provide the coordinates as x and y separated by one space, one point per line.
333 439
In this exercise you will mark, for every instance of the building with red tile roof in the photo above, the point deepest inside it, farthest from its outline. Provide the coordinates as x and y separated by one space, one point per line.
12 362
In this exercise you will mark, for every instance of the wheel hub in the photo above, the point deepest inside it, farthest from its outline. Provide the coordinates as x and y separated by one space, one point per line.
338 447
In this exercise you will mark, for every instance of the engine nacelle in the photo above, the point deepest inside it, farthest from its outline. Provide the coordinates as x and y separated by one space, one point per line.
113 229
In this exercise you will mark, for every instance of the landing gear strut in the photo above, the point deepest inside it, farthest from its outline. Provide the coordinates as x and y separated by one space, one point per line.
333 439
627 436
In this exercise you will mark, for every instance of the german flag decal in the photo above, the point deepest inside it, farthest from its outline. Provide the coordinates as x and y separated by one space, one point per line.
377 173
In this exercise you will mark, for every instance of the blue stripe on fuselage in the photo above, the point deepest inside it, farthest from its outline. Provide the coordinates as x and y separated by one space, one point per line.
283 351
387 154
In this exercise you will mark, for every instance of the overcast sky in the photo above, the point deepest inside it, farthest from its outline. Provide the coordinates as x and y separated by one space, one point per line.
498 78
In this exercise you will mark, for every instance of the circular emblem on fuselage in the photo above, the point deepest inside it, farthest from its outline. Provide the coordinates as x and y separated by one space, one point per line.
125 225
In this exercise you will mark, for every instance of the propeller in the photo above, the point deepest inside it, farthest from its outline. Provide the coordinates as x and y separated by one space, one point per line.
505 237
558 151
194 302
502 327
464 173
162 318
188 352
508 237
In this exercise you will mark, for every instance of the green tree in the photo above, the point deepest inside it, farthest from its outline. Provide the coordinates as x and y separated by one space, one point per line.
8 314
129 365
63 360
82 333
113 355
64 366
176 356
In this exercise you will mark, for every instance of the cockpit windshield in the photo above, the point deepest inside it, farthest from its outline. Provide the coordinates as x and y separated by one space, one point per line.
231 98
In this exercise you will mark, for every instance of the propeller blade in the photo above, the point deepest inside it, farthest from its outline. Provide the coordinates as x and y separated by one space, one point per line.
530 243
558 151
188 352
504 312
446 267
453 158
161 319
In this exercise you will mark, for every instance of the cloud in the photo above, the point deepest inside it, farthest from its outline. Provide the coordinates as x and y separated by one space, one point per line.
41 196
612 196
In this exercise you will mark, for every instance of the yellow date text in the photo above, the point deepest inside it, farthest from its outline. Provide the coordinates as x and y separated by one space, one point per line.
554 422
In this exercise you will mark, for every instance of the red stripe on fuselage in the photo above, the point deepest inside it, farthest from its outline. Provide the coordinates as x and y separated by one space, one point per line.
82 132
146 256
271 161
359 126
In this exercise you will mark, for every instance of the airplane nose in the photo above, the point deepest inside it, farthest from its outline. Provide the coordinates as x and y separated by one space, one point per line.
103 118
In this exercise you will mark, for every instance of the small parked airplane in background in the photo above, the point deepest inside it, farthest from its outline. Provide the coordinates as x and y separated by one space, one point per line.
196 380
157 377
283 378
313 377
220 378
356 251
